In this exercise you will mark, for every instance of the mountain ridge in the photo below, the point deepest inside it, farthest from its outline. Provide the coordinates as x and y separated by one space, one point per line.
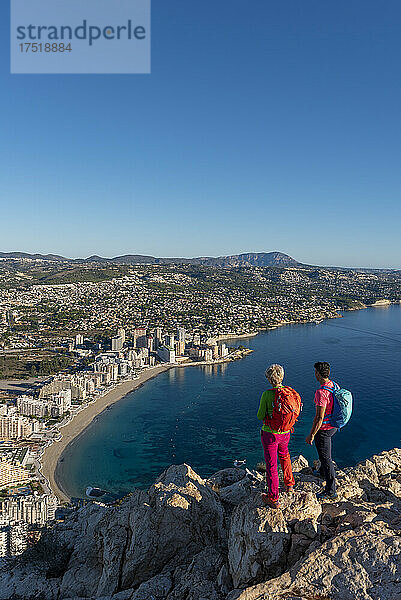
261 259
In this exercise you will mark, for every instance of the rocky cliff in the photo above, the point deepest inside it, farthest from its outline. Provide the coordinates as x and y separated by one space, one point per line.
187 538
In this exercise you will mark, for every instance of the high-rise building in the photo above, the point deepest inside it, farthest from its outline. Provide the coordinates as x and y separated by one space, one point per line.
169 341
113 370
79 339
179 348
140 338
181 334
65 382
223 350
31 407
15 427
157 337
196 339
116 343
60 403
34 510
121 333
208 354
166 354
13 537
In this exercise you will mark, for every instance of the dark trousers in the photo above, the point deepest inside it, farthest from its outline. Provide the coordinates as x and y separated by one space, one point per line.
323 447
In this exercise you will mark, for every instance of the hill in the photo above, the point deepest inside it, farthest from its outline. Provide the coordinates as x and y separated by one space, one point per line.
255 259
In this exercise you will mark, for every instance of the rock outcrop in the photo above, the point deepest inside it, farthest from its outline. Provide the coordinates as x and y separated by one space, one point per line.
187 538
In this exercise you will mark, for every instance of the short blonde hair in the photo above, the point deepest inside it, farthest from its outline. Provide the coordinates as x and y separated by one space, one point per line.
275 374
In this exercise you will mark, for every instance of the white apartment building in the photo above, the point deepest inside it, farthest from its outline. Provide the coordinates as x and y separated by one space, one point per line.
16 427
34 510
55 406
117 343
59 403
65 382
223 350
13 538
31 407
181 334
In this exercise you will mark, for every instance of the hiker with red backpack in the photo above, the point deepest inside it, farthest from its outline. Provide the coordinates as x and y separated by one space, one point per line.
333 411
279 409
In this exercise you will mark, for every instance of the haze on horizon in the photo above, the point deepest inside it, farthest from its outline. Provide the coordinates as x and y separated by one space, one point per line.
275 128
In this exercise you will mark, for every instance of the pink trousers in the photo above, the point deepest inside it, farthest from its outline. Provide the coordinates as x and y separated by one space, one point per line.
274 443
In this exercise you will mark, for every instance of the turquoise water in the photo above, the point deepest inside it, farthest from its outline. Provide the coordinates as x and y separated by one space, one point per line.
206 416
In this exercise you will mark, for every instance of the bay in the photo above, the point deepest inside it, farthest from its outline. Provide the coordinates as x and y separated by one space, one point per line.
206 416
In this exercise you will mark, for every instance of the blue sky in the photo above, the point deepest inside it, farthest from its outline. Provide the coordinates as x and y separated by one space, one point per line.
263 126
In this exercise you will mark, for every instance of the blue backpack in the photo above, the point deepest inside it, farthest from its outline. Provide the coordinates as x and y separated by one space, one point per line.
342 407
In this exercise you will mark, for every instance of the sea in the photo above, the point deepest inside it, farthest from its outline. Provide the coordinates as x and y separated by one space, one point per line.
206 416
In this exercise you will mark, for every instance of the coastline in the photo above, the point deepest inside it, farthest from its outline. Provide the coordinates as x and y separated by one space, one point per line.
52 453
69 432
82 420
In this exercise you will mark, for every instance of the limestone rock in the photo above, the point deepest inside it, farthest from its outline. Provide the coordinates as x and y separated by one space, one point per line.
121 548
225 478
199 580
181 517
260 537
237 492
362 564
157 587
299 463
376 479
172 543
26 583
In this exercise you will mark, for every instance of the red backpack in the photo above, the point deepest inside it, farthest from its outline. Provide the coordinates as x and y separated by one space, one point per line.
286 408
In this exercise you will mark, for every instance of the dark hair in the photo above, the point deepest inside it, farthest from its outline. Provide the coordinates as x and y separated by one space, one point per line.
323 368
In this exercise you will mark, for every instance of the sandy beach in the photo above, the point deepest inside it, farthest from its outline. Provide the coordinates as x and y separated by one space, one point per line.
81 421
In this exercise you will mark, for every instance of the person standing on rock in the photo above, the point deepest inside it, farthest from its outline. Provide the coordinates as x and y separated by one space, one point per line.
322 432
279 409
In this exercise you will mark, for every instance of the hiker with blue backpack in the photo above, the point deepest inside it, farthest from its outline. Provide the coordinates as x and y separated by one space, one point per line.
333 411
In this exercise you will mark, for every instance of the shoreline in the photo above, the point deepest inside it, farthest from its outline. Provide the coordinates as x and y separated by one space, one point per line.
52 453
50 457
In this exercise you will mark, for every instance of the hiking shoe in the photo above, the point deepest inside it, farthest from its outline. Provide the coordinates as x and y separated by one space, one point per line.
269 502
327 495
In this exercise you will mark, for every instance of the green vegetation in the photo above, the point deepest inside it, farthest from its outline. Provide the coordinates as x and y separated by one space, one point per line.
50 365
33 364
20 275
